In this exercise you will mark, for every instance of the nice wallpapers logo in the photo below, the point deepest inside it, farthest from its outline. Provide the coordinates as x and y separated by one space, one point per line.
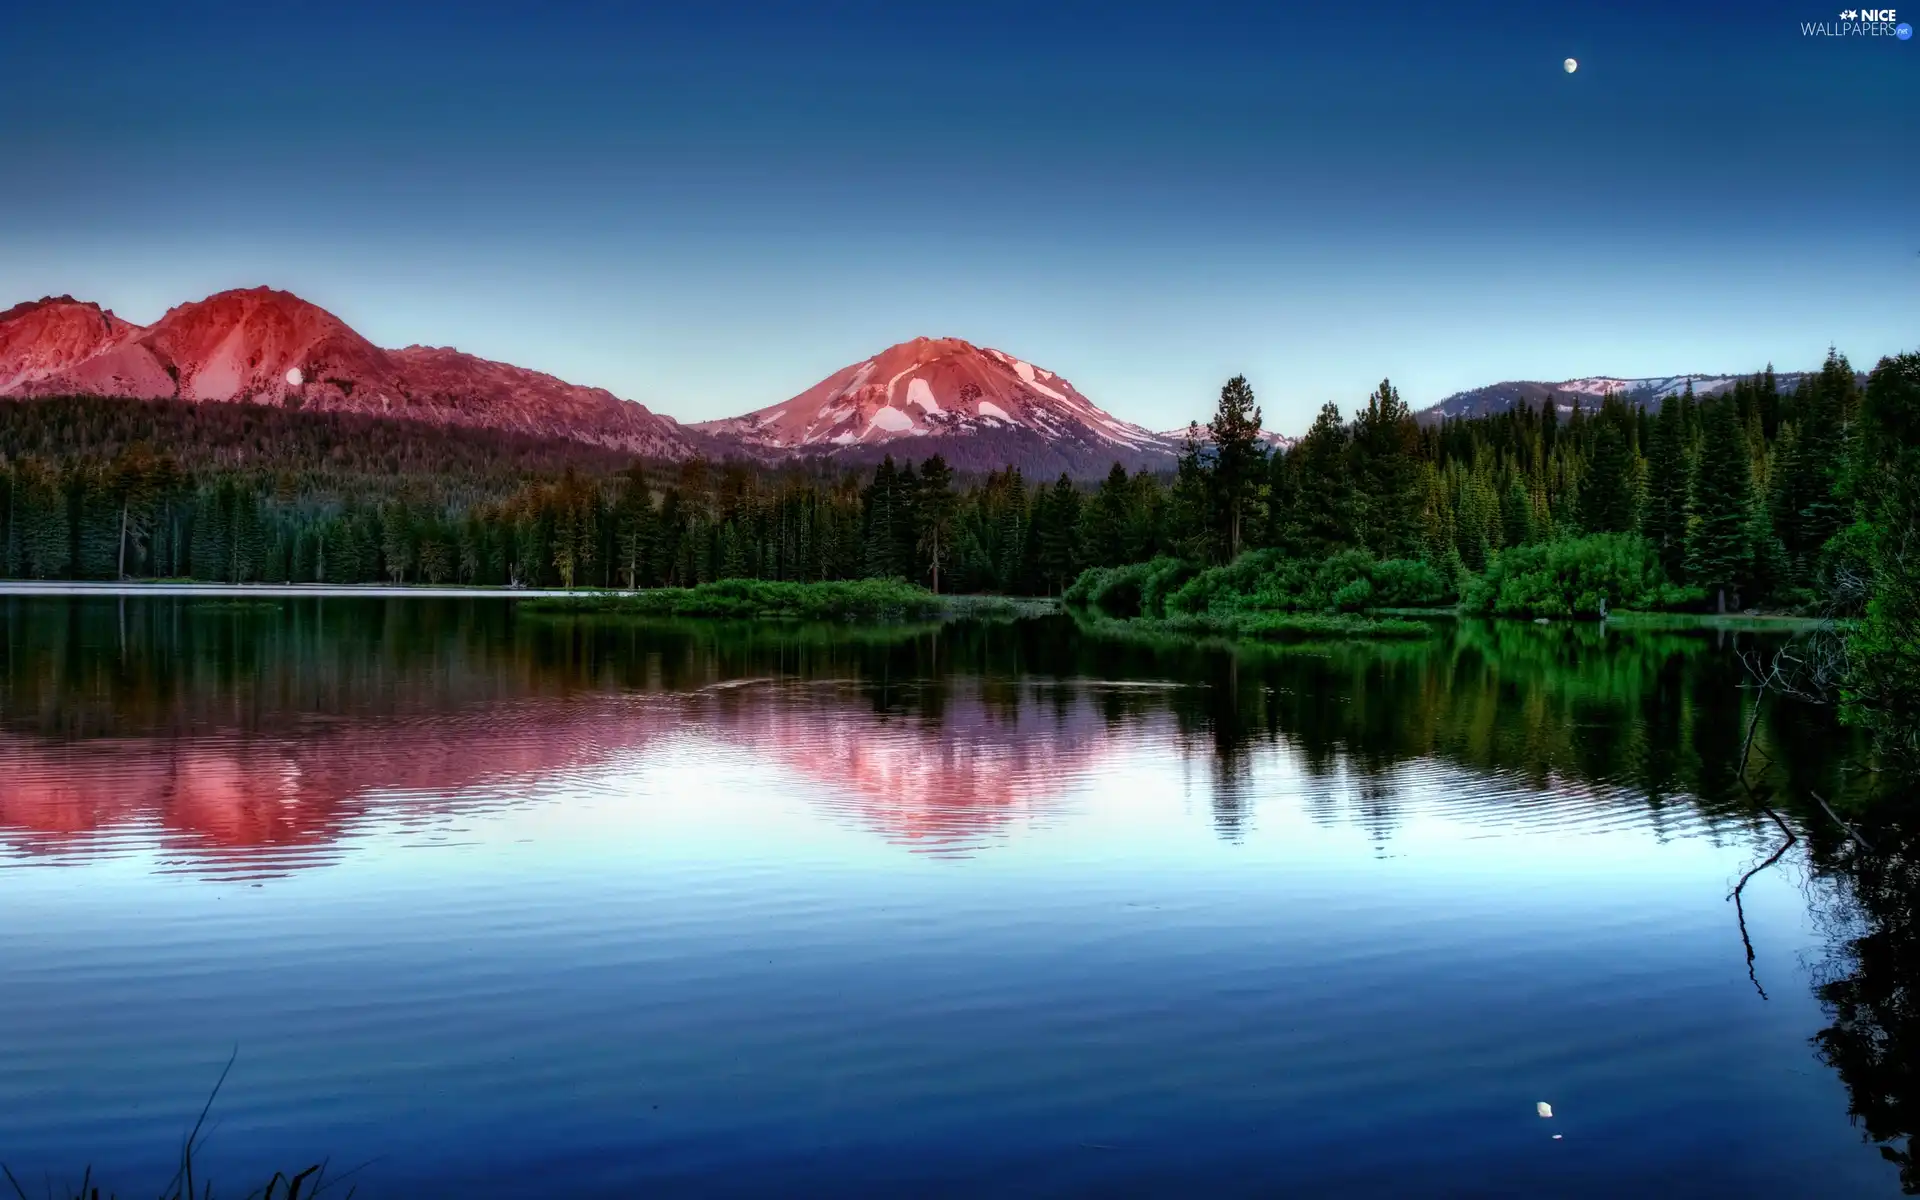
1860 22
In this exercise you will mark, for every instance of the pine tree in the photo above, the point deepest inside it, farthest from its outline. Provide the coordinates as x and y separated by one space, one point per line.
1008 568
1805 497
885 521
1720 550
733 555
1105 538
1324 518
1192 503
40 526
1516 513
1056 527
1883 690
1236 467
933 513
1606 491
1664 519
96 528
1387 475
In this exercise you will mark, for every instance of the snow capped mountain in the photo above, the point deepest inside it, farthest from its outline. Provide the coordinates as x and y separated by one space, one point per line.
979 408
266 347
1500 397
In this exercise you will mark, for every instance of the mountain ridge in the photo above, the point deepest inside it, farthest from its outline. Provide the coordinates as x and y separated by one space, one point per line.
979 407
262 346
1587 391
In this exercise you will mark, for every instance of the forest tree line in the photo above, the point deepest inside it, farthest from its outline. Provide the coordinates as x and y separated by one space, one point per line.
1740 493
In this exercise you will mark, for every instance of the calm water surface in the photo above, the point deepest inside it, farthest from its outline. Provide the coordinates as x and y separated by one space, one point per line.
501 904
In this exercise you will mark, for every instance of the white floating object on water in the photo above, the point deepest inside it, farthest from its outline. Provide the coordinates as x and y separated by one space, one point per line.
1543 1108
1556 1137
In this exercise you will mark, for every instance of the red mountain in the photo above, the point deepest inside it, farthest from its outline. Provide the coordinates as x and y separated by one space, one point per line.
267 347
43 338
977 407
980 408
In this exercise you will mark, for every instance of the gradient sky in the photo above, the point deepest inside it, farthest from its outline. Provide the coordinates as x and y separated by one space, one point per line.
709 207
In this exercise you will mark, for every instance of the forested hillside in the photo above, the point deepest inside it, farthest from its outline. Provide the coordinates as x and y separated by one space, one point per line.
1737 495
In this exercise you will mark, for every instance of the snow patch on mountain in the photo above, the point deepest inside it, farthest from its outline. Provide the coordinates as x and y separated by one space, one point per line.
890 419
919 392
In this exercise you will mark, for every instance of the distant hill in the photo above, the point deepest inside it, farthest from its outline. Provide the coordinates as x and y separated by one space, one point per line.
1499 397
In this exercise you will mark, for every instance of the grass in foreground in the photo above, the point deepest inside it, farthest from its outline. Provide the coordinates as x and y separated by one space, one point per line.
185 1185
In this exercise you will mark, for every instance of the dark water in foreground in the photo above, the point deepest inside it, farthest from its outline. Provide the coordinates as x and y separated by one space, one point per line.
535 906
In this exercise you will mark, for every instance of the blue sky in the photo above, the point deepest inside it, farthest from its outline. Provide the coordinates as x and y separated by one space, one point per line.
708 207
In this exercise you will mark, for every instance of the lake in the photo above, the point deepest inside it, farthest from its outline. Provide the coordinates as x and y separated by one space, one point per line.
498 903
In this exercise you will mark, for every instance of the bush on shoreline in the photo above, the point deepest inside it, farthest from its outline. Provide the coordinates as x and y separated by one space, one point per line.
1579 577
1351 581
1262 595
870 599
1266 593
756 599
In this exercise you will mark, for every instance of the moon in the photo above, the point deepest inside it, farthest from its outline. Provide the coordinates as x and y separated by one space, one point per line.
295 378
1571 66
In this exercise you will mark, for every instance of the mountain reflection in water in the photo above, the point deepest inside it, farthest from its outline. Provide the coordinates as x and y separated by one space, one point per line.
256 736
261 740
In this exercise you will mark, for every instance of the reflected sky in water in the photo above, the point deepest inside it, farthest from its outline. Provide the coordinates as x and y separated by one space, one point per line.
519 905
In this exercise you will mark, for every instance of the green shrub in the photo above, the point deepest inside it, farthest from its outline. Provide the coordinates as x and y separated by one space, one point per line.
1162 578
1138 589
1080 592
1408 583
869 599
1349 581
1579 577
1257 626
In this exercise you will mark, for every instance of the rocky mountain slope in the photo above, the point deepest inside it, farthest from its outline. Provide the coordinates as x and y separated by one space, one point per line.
267 347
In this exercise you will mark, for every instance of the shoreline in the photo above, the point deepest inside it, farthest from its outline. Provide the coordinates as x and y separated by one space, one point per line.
61 587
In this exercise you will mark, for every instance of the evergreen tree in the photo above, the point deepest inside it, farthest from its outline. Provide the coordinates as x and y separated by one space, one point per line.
1236 467
1192 503
934 514
40 524
1720 550
1323 519
1805 498
886 521
96 523
1106 538
1387 475
1606 491
1664 519
1056 528
1883 692
1012 555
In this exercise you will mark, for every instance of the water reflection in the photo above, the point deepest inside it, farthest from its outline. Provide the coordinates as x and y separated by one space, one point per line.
258 735
1870 988
263 739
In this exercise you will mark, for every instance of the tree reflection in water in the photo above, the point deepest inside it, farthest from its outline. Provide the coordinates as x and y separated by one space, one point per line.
1870 989
259 729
